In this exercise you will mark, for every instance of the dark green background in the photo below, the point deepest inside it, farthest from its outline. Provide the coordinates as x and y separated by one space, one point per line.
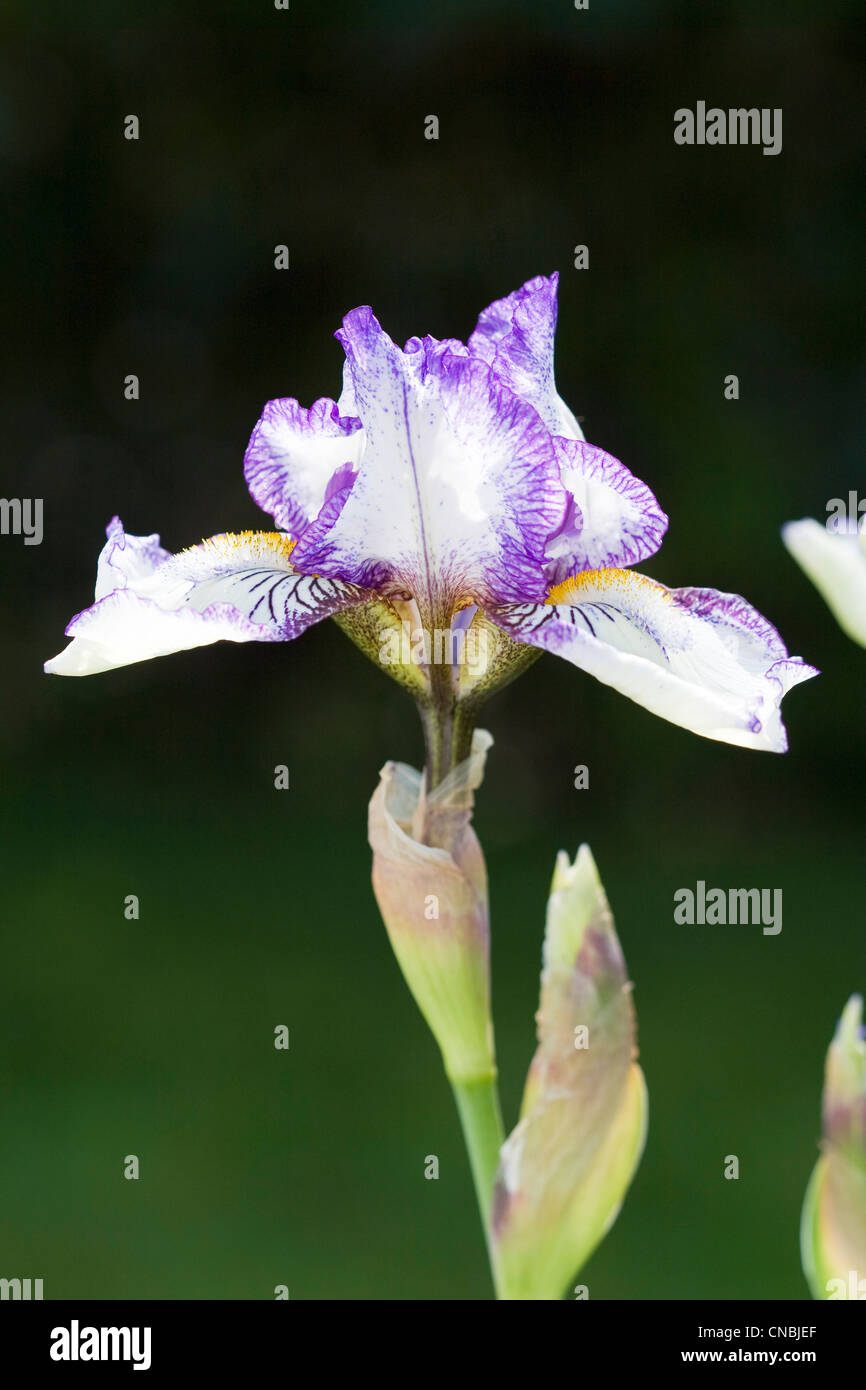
155 1038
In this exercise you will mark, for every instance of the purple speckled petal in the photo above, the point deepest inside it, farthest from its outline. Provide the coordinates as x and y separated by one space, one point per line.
235 588
298 457
515 337
458 487
701 659
427 343
613 518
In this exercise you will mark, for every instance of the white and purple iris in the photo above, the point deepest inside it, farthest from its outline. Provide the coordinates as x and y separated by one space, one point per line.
451 476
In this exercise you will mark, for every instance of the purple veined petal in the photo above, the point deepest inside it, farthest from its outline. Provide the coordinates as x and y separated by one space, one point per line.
233 588
613 518
515 336
458 488
429 344
698 658
294 456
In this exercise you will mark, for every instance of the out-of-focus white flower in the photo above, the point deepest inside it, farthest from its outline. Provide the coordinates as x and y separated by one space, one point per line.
835 561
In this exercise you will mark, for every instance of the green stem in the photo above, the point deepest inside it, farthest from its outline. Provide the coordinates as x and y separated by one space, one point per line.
448 739
484 1135
481 1118
438 720
462 731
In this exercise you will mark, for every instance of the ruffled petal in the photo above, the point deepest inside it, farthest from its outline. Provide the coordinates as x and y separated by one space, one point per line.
234 588
126 561
515 337
835 561
298 457
458 487
701 659
613 518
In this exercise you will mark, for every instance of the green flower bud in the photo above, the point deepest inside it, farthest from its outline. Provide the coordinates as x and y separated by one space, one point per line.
833 1227
565 1168
430 883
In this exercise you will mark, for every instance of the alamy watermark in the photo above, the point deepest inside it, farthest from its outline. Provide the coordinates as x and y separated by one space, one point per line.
77 1343
735 126
22 516
732 907
855 1288
20 1289
846 513
444 646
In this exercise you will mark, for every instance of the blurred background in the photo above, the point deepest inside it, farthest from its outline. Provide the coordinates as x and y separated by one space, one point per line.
155 257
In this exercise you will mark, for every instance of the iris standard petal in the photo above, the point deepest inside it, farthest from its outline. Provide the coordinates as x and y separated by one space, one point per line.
698 658
515 336
835 561
298 457
613 519
458 487
234 588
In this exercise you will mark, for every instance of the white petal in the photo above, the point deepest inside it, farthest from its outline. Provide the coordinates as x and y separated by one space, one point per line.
704 660
835 561
126 561
234 588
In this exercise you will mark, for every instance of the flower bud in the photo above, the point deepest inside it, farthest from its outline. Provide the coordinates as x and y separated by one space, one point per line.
431 886
565 1168
833 1229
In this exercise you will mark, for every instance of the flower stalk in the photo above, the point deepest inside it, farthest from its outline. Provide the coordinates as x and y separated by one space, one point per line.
483 1134
448 730
438 721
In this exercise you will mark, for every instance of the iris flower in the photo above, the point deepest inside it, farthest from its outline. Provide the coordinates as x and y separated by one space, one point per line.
449 490
450 482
